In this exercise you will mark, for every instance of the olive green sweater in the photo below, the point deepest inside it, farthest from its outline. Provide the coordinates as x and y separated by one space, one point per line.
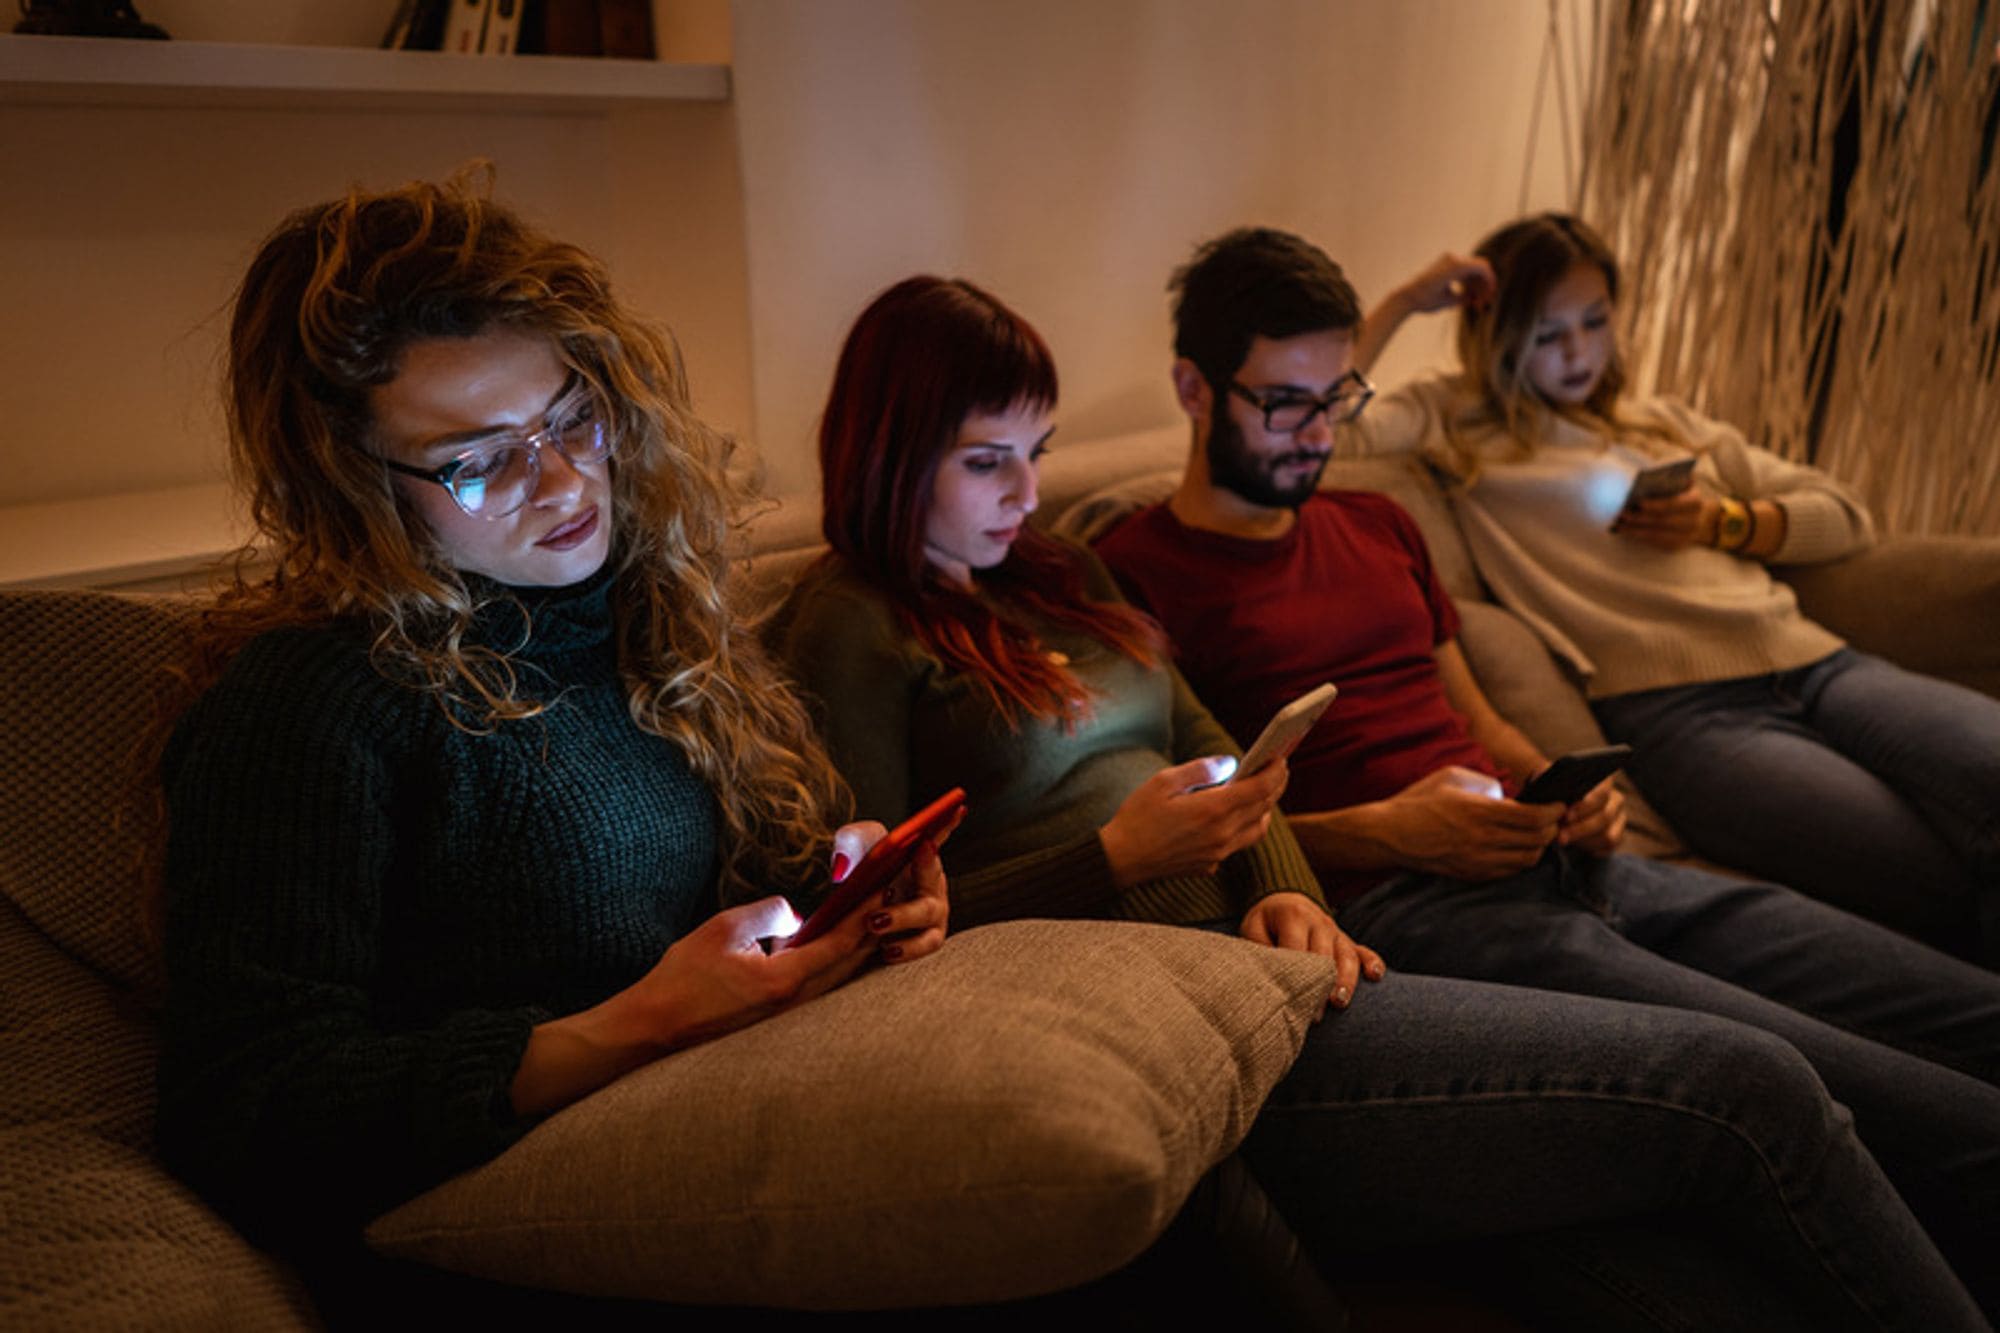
903 728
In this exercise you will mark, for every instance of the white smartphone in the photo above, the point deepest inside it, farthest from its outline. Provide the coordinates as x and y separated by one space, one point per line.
1284 731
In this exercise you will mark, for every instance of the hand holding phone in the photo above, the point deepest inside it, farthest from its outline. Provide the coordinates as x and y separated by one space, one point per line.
888 858
1571 777
1656 483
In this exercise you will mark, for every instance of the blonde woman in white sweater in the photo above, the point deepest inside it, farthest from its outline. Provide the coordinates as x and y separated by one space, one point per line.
1768 743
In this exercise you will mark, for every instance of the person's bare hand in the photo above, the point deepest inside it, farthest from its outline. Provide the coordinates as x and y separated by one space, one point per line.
1449 280
1671 522
914 912
1167 827
1595 823
1294 921
1444 823
718 978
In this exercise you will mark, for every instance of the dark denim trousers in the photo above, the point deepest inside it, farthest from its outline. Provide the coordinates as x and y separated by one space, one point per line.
1901 1036
1864 785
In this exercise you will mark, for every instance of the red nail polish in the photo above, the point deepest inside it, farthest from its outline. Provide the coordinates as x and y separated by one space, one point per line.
879 922
840 866
892 951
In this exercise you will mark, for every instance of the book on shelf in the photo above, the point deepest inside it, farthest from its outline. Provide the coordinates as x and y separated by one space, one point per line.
503 28
565 28
622 29
418 25
627 28
465 27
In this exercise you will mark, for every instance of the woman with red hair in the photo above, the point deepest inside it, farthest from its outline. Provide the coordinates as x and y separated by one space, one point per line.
1094 792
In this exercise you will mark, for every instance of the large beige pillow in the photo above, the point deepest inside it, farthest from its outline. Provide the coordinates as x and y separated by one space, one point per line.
1024 1111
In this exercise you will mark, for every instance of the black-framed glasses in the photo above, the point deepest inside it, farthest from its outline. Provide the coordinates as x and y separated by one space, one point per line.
1291 412
493 480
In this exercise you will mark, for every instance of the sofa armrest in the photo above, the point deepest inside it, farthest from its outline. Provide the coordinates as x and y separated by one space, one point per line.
1930 604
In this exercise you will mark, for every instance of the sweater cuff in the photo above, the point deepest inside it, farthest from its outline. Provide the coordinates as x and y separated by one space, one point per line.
1817 527
474 1086
1070 879
1275 863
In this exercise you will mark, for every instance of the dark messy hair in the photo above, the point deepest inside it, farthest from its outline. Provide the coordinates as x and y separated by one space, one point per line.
1255 282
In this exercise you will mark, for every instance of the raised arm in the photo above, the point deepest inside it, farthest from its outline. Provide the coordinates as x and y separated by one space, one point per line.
1449 281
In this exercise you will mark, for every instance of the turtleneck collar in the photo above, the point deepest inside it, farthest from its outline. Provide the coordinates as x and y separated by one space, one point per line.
538 622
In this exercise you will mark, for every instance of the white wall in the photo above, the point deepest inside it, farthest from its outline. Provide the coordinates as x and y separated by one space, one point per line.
1068 155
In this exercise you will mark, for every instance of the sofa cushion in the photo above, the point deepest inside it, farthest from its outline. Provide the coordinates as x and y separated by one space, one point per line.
93 1232
80 679
1021 1112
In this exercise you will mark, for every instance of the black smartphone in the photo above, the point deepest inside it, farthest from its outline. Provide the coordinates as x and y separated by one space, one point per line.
1571 777
887 859
1654 483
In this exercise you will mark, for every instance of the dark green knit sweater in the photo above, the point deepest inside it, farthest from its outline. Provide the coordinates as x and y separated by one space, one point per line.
903 728
368 908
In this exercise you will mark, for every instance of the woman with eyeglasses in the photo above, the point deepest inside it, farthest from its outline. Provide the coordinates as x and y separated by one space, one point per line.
949 644
1764 740
469 766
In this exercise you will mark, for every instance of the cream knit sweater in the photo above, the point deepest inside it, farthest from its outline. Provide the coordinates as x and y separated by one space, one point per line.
1624 615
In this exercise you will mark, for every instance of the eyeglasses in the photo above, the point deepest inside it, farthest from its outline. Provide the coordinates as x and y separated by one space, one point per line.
1292 412
493 480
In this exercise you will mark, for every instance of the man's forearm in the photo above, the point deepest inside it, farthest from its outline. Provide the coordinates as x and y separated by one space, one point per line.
1510 747
1360 837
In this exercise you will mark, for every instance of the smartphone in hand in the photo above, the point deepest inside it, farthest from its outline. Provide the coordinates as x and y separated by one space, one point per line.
888 858
1569 778
1655 483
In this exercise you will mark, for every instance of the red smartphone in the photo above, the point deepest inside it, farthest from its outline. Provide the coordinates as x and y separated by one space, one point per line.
884 861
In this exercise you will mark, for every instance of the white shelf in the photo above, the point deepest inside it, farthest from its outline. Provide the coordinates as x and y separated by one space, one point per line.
119 540
106 71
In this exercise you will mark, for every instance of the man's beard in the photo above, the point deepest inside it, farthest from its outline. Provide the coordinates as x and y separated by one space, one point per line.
1235 469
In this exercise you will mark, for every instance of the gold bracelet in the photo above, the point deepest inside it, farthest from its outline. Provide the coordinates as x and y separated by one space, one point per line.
1733 526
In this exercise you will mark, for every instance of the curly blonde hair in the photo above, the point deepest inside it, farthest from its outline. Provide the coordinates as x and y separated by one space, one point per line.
324 314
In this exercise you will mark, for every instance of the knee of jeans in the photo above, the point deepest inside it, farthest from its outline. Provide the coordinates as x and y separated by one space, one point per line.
1754 1080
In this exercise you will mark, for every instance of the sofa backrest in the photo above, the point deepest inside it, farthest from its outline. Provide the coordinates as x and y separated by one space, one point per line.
1402 479
79 683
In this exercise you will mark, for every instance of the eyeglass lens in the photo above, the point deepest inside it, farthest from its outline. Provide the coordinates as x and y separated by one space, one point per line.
498 479
1293 415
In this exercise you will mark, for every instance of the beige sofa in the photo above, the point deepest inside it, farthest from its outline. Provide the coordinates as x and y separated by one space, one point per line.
94 1233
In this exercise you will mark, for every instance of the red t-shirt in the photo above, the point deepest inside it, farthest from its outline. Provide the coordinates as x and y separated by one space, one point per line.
1348 595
